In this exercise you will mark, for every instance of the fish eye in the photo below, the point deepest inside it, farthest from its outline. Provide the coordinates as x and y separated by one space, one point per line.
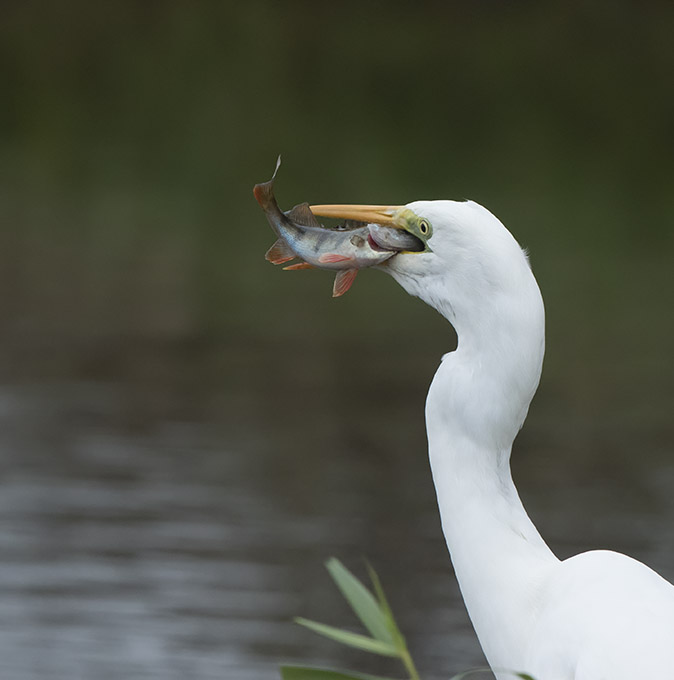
424 226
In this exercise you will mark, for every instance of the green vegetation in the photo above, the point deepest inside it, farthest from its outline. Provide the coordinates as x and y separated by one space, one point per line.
385 639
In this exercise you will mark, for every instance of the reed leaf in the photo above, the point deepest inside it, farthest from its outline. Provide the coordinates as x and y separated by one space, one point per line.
362 601
346 637
305 673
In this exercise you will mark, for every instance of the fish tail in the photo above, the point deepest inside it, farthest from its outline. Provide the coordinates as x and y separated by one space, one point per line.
264 192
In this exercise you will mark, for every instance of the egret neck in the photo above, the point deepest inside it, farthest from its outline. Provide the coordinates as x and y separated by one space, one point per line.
599 614
477 403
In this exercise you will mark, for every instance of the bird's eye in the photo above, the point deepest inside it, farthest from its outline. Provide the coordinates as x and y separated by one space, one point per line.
424 227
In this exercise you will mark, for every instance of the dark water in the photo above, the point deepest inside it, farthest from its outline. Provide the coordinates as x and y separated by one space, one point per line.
166 509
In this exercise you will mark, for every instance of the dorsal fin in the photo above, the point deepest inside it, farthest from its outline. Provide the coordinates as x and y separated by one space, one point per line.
343 281
301 214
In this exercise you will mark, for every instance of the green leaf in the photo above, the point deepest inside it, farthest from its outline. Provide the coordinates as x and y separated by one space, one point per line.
361 600
472 671
305 673
476 671
398 638
378 590
383 602
346 637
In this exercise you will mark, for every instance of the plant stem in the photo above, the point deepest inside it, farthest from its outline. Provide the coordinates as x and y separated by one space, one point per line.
406 658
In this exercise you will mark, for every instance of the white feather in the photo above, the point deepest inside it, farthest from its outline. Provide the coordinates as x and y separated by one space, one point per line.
596 616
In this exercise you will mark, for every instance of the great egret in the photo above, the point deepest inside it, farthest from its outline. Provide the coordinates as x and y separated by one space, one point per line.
599 615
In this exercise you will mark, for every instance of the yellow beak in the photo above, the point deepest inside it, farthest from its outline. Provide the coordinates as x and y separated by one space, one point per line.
377 214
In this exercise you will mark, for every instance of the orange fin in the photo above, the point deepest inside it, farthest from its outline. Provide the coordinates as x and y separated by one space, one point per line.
299 265
343 281
333 257
279 253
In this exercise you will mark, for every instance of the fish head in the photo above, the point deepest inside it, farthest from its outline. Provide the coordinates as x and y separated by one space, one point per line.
396 229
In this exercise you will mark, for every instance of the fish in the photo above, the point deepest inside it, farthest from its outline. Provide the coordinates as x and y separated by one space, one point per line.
347 248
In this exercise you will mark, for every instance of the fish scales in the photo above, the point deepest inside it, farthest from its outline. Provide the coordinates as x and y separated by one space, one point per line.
346 249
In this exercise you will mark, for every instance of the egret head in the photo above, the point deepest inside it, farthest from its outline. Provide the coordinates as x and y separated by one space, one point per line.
466 259
470 269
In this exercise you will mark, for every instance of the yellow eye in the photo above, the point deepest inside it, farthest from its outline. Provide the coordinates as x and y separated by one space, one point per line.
424 226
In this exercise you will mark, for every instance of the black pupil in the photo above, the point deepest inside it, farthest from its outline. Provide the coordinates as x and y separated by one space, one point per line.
424 227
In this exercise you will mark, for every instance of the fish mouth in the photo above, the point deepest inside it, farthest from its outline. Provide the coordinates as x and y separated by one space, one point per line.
395 240
388 232
375 246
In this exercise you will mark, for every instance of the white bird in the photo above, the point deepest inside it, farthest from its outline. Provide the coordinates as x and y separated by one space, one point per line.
599 615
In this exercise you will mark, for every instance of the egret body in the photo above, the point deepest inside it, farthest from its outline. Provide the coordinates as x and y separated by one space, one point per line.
599 615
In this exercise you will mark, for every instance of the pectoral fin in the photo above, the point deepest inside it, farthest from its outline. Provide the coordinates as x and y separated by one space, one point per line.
279 253
332 258
343 281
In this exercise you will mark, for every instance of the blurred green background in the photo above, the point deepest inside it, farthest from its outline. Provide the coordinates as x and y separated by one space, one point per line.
131 260
132 134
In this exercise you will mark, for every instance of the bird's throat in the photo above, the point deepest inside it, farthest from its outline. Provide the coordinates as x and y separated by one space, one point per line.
476 405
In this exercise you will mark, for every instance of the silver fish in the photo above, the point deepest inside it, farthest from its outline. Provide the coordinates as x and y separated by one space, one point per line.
346 249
